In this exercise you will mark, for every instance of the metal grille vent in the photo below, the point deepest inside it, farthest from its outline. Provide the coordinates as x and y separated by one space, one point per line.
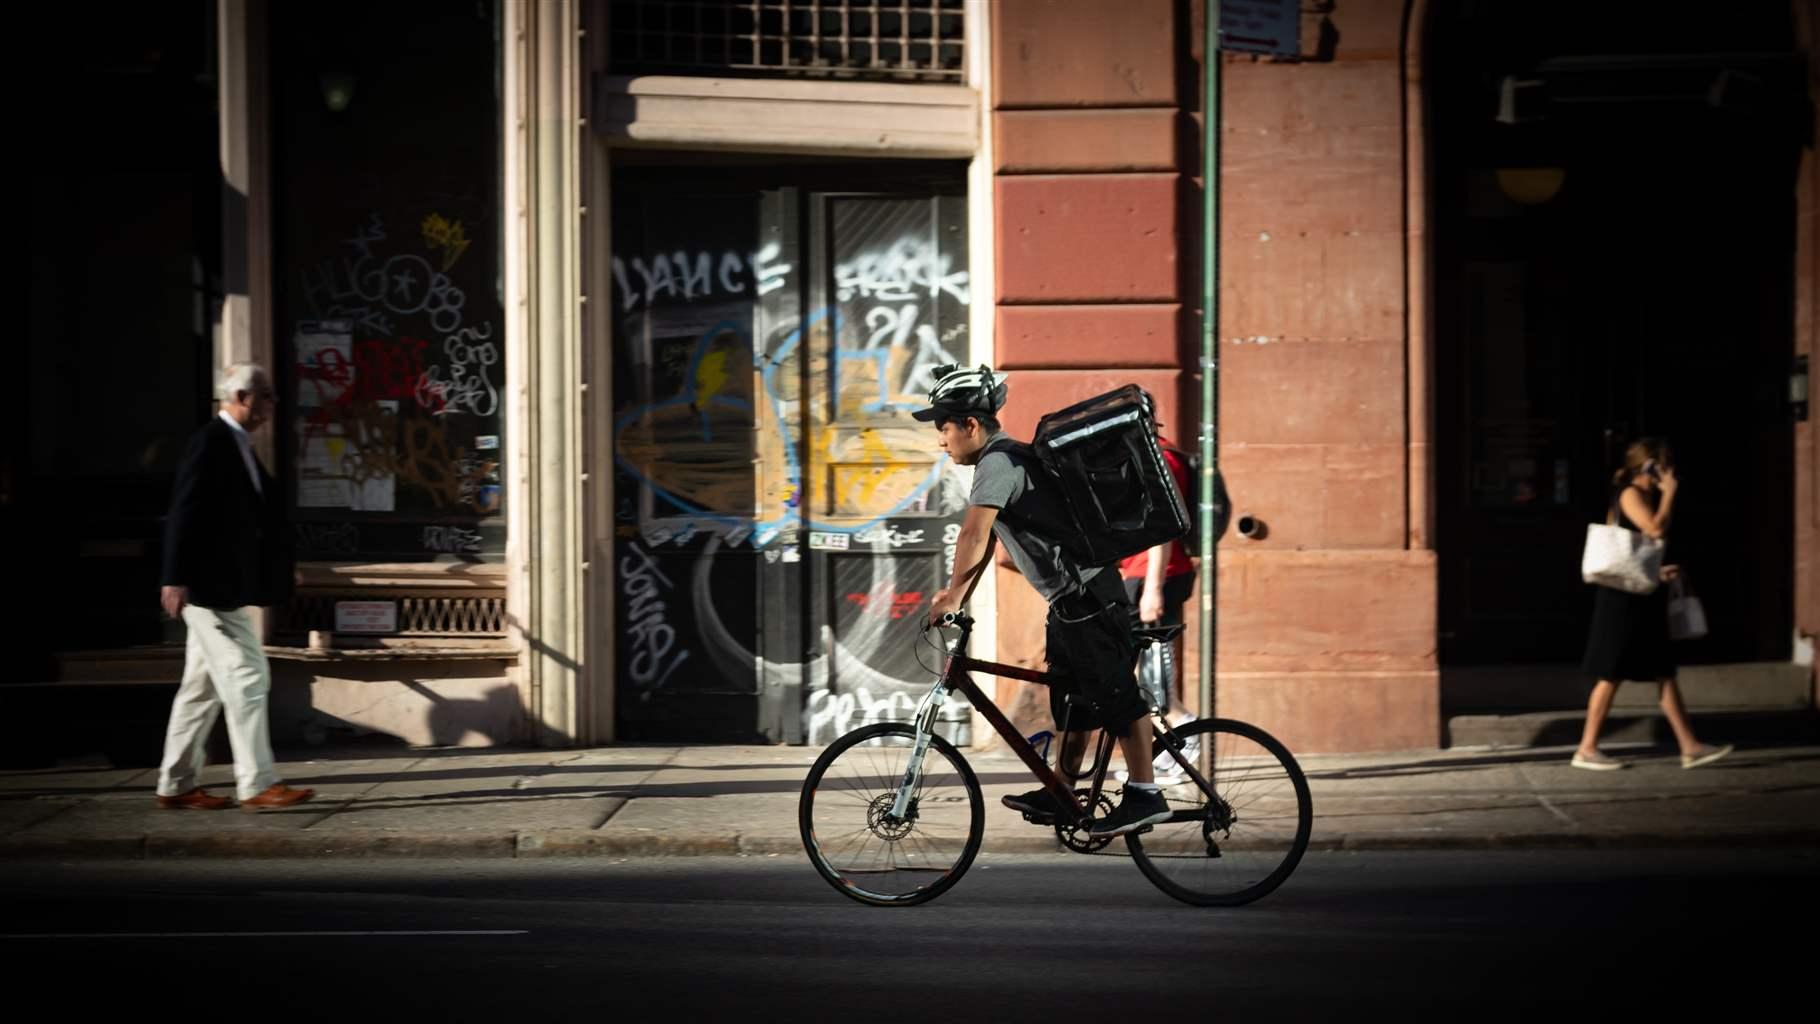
893 40
417 616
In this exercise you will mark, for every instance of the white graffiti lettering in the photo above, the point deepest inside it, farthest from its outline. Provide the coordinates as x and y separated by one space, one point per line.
732 533
360 287
901 271
698 275
883 534
832 714
328 538
451 539
467 388
649 637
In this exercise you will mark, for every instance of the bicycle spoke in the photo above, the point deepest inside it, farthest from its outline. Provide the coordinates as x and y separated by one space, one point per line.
856 843
1242 842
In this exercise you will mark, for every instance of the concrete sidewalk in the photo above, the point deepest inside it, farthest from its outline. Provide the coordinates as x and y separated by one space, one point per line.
638 800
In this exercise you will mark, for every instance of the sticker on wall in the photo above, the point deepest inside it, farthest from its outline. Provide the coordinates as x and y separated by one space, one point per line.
366 616
793 554
486 443
819 541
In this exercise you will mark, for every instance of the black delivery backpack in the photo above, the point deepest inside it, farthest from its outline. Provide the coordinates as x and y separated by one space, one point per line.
1105 459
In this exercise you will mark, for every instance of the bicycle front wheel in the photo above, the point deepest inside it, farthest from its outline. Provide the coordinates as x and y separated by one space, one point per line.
1241 843
864 852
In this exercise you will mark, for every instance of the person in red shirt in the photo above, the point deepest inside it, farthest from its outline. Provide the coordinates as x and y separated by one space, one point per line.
1159 581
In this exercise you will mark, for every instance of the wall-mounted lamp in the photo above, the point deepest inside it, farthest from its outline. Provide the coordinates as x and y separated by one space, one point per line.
1530 186
337 90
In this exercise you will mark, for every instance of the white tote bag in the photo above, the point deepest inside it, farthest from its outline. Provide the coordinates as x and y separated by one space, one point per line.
1621 559
1686 615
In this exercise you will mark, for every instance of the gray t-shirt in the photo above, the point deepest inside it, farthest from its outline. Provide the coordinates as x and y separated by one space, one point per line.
1003 481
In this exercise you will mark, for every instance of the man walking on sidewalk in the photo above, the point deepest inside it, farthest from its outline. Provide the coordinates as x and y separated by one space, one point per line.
227 549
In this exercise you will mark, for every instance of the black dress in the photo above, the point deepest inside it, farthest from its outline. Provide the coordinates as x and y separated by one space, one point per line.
1629 634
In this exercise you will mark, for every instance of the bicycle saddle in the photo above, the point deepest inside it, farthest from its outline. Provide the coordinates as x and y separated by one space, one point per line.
1146 635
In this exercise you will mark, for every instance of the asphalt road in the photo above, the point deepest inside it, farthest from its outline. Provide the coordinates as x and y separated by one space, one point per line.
1485 935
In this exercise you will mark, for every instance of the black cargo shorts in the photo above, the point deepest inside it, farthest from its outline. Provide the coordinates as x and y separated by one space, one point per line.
1092 655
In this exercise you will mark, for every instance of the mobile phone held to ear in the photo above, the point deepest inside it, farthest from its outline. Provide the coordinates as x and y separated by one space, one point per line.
1652 469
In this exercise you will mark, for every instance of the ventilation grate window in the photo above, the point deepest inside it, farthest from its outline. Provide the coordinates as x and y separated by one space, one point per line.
888 40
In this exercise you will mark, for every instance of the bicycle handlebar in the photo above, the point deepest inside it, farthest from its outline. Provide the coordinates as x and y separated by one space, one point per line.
954 619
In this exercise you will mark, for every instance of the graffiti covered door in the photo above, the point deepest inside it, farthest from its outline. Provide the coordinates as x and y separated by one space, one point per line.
885 504
781 521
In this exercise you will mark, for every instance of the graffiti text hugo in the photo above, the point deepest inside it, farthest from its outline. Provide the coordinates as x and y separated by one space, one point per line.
365 288
649 638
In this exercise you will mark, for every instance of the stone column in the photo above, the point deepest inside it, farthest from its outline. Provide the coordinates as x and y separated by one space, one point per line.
243 328
243 324
541 100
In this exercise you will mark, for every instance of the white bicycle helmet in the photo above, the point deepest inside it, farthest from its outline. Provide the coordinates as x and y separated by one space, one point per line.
959 392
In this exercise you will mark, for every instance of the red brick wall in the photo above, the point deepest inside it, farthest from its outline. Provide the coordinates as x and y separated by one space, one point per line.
1327 624
1092 217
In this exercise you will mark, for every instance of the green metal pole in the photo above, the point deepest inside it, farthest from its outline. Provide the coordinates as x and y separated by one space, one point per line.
1210 361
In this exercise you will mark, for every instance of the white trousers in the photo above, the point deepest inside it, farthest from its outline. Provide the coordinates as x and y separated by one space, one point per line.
223 666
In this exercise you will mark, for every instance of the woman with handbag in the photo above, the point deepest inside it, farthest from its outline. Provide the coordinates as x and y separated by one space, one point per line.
1629 636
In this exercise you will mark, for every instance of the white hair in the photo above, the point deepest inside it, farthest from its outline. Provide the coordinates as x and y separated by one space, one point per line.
237 378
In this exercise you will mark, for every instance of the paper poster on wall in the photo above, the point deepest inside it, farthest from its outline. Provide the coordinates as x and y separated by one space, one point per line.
324 353
325 361
336 469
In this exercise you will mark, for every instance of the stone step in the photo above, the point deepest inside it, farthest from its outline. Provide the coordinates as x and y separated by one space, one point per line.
1748 726
160 663
122 719
1555 687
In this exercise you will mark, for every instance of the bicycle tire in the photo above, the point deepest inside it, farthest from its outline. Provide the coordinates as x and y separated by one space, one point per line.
863 854
1243 845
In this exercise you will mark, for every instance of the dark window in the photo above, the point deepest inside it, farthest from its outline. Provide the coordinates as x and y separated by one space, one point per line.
387 274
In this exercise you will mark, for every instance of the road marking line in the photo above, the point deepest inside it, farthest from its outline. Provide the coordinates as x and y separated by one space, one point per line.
248 935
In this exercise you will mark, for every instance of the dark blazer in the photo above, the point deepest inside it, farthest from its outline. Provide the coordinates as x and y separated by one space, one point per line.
225 541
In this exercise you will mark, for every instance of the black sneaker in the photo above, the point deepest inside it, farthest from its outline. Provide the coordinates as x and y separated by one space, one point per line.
1140 808
1037 805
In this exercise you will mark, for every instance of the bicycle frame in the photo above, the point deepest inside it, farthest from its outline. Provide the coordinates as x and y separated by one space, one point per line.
955 677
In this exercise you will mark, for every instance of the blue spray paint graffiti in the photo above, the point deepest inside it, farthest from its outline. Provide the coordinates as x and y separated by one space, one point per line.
766 529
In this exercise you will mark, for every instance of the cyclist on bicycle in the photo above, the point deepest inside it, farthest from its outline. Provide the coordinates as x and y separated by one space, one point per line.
1088 632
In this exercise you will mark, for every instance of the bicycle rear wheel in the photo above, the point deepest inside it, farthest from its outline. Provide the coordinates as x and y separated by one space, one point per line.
863 852
1242 844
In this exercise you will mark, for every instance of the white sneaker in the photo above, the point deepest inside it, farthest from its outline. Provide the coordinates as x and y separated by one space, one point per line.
1597 761
1705 756
1172 777
1165 762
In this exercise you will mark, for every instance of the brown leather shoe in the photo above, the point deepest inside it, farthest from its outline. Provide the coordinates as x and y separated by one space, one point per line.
277 795
197 799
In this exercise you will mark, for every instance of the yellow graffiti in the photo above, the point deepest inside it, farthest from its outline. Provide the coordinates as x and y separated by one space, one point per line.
449 236
710 376
699 446
872 472
725 444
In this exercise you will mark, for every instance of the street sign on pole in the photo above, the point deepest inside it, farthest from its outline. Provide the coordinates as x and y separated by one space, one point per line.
1261 26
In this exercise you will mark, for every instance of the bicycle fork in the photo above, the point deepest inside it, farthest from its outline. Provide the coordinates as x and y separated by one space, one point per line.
913 770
